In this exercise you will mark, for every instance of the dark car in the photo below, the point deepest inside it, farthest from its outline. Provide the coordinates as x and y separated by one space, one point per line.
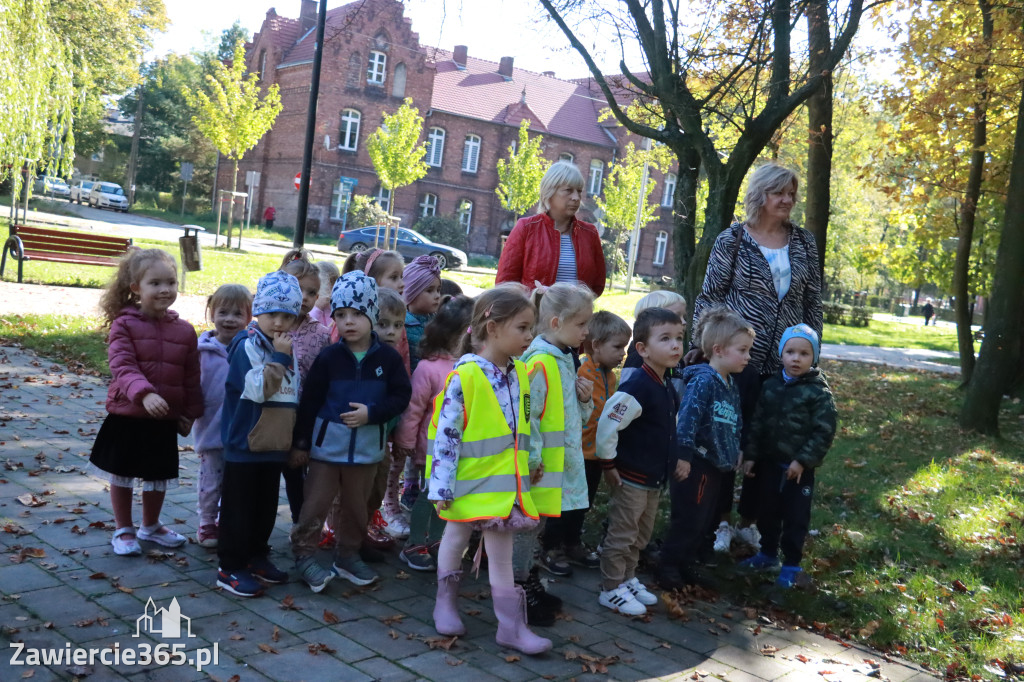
410 244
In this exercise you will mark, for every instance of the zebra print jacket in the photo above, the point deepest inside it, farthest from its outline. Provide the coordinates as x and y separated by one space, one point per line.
739 278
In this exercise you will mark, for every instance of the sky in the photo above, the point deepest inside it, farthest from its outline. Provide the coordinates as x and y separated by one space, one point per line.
491 29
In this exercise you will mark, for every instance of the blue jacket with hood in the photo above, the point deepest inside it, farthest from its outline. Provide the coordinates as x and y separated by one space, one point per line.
709 421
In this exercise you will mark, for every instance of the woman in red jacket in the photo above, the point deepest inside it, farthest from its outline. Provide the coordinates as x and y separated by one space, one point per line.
553 246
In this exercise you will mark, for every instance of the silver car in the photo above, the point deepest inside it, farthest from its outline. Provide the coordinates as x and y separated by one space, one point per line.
80 191
50 186
108 195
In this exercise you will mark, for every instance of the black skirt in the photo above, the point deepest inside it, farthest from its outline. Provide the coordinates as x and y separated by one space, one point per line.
137 447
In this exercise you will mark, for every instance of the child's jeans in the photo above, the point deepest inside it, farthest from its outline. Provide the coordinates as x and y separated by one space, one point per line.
785 511
694 510
631 515
211 478
350 484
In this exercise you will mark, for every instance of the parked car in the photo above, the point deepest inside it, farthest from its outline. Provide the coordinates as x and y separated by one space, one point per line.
410 244
80 191
50 186
108 195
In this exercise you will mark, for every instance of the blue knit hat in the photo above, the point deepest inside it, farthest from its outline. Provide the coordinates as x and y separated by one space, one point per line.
801 331
356 290
277 292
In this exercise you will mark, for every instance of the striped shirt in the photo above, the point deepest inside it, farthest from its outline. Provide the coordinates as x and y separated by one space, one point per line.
778 263
566 260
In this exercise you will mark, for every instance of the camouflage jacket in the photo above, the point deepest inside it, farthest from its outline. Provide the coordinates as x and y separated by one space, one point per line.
794 420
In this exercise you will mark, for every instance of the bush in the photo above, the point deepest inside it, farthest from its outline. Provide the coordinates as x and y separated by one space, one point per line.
363 211
443 230
850 316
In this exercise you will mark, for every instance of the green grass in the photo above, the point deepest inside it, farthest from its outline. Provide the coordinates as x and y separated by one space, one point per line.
78 342
893 334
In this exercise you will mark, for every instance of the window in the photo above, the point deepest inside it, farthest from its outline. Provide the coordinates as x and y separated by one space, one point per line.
339 200
670 189
466 214
596 171
398 81
471 154
375 68
435 147
263 64
383 199
428 207
565 156
349 130
660 246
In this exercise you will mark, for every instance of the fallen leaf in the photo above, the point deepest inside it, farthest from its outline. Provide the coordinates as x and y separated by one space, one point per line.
330 618
445 643
511 658
768 650
98 576
316 648
30 500
288 603
402 575
276 635
392 634
393 620
237 637
267 649
453 661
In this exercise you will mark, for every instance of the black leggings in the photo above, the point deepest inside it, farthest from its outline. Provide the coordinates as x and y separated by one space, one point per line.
567 530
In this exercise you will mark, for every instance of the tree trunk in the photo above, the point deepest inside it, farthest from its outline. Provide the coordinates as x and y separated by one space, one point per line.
819 141
684 234
1001 353
231 202
723 192
969 206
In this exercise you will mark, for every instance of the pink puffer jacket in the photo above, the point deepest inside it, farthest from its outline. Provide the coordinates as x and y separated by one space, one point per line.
150 355
427 382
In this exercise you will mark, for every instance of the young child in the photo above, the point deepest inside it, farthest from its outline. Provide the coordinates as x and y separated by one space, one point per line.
669 300
154 395
708 431
449 290
793 427
260 397
354 388
607 336
636 444
561 404
230 309
476 427
438 348
422 279
329 274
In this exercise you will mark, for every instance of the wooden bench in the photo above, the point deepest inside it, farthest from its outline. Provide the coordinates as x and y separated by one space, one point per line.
56 246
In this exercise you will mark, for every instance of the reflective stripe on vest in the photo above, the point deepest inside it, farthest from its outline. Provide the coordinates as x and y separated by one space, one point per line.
493 473
547 493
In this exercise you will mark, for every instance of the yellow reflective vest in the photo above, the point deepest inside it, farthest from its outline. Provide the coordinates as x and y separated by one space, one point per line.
493 470
547 493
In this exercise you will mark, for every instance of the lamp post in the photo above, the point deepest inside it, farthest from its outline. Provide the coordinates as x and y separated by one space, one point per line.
307 150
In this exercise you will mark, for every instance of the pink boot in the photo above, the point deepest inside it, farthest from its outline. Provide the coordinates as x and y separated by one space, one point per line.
446 613
510 608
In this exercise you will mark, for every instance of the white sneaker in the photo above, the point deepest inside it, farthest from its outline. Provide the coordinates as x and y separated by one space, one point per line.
622 600
397 527
723 537
749 535
640 593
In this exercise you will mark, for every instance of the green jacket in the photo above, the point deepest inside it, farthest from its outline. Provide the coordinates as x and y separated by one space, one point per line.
795 420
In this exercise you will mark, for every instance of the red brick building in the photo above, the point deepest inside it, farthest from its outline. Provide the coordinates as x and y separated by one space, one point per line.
471 107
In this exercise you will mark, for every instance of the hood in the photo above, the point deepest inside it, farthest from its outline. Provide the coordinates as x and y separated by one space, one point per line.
136 312
484 363
694 371
813 376
542 345
208 343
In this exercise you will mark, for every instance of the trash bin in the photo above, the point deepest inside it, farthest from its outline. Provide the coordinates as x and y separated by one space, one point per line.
191 252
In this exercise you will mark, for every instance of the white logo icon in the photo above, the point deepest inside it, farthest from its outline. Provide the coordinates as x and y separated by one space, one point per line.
163 622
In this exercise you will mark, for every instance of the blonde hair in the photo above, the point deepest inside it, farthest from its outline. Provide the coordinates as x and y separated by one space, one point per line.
560 174
717 326
606 325
230 294
562 300
499 305
771 177
329 274
130 270
294 255
390 303
662 298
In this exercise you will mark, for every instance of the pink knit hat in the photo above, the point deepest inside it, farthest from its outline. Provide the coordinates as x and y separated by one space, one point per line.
419 275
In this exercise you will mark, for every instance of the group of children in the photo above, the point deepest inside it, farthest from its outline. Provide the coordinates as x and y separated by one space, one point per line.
395 409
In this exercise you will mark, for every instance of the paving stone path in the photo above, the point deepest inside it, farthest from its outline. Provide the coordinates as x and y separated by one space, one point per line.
62 588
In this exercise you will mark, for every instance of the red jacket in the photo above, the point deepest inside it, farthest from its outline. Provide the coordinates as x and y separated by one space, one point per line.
531 253
150 355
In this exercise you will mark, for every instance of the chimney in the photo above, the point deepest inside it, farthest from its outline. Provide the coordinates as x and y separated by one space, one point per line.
550 74
307 16
505 67
459 57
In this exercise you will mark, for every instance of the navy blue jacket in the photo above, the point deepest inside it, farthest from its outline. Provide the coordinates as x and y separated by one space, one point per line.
646 452
336 379
710 418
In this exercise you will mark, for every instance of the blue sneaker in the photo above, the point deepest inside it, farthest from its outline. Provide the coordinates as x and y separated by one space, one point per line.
759 563
788 576
241 583
264 571
408 498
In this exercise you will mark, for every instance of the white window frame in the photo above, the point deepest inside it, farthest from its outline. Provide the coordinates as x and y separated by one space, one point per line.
336 200
466 214
596 175
471 154
668 195
428 206
350 122
383 199
435 147
660 248
566 156
376 68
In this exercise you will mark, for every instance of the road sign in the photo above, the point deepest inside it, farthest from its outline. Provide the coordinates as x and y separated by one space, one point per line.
186 171
252 178
298 180
351 182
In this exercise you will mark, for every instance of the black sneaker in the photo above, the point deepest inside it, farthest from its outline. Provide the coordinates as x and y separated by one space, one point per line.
239 582
582 556
555 563
408 498
264 571
418 558
549 600
537 612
